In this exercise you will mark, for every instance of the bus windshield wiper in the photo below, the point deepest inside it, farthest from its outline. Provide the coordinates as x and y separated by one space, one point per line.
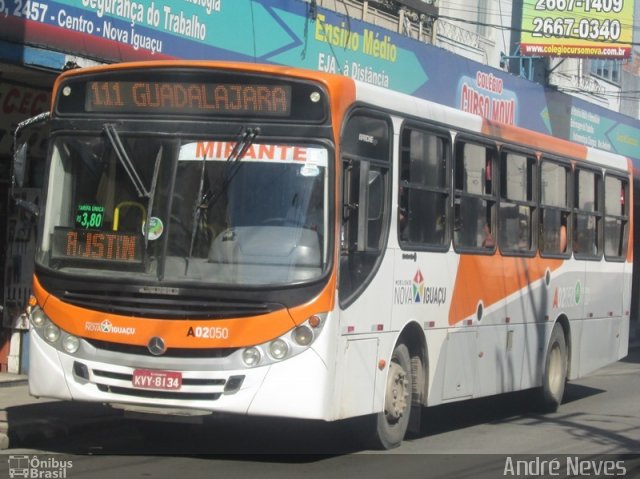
204 201
247 138
127 164
125 161
152 194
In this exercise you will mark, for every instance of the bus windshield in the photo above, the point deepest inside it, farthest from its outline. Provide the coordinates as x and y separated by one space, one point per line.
187 209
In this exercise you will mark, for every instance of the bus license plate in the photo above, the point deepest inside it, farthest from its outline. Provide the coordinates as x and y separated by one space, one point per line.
164 380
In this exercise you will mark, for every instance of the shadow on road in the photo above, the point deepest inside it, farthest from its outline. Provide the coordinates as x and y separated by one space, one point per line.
84 428
494 409
110 432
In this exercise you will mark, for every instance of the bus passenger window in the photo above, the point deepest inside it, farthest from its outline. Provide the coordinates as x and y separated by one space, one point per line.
616 194
475 198
423 189
554 208
517 202
587 213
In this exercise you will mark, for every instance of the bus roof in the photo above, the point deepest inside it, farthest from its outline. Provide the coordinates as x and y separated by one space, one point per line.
354 90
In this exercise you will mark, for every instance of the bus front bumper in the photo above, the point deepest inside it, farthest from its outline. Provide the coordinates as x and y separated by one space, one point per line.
296 387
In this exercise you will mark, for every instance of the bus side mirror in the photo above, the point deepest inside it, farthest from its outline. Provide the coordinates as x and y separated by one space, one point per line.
19 179
20 156
28 206
20 165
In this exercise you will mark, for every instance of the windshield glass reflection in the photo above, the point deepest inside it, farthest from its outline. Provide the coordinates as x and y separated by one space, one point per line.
187 210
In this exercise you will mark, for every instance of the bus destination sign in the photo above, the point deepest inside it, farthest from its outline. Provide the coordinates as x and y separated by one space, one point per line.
188 98
82 244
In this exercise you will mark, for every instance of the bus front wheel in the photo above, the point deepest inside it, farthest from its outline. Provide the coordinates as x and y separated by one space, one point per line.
393 421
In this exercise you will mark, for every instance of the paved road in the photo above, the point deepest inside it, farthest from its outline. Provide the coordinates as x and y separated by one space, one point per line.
599 421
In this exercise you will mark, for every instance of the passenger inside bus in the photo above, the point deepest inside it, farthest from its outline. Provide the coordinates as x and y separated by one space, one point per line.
563 237
488 241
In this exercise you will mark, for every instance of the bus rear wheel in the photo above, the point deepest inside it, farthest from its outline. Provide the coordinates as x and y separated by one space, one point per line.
393 421
554 375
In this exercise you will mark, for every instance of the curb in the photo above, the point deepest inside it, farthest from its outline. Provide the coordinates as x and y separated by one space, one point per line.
7 383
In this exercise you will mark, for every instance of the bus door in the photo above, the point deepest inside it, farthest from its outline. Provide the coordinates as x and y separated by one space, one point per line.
30 147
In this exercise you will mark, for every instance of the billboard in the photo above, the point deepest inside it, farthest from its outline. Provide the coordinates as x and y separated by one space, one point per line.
577 28
291 32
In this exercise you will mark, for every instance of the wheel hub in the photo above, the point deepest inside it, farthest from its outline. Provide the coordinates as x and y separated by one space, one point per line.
397 394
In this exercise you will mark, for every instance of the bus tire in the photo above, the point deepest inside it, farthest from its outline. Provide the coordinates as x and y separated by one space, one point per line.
393 421
554 375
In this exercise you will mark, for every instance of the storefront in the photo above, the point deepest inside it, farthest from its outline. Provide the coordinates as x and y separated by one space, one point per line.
26 78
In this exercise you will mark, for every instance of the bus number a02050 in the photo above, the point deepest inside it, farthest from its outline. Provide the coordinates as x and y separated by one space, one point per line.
205 332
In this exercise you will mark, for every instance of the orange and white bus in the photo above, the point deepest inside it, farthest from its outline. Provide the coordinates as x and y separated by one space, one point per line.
263 240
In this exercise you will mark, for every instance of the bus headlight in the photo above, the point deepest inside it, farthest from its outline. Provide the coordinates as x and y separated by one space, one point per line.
38 318
290 344
251 356
278 349
302 335
70 343
51 332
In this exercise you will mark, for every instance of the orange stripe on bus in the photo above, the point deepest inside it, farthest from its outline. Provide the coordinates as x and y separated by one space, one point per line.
491 279
221 333
533 139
